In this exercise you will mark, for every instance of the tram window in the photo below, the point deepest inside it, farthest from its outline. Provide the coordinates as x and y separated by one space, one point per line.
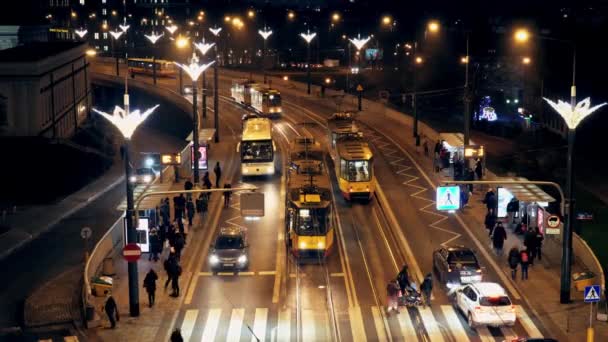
343 171
358 171
312 221
334 136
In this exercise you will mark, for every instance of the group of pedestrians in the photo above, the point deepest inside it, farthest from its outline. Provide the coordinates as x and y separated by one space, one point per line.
402 285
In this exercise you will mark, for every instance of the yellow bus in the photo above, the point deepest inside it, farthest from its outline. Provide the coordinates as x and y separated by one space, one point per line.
309 229
145 66
257 148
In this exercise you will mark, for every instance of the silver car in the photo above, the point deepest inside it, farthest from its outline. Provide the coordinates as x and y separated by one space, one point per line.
230 250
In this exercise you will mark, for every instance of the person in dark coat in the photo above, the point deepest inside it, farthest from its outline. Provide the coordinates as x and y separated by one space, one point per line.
512 209
218 174
403 278
524 260
227 195
155 245
150 286
539 244
179 244
513 261
490 222
478 169
202 204
174 271
207 181
531 241
190 210
165 211
111 309
176 336
167 265
188 186
490 201
499 235
427 288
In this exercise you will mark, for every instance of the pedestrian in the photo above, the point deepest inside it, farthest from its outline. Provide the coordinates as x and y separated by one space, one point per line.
425 145
530 241
499 235
150 286
539 245
490 222
470 176
207 181
190 210
512 210
179 245
464 197
165 211
176 211
227 195
403 278
176 336
490 201
181 205
188 186
155 245
392 296
524 259
218 174
478 169
514 261
175 271
437 148
427 288
168 265
111 309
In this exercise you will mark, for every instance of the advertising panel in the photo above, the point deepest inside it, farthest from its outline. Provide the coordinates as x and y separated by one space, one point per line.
504 197
202 162
142 234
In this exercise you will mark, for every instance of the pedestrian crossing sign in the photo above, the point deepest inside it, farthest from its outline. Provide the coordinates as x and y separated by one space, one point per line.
592 294
448 198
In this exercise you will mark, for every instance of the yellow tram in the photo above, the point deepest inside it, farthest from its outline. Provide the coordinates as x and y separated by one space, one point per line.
145 66
352 156
309 230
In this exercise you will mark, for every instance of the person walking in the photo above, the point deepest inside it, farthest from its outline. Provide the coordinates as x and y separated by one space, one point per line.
181 201
403 278
207 181
479 170
227 195
168 265
490 222
512 210
150 286
218 174
513 261
165 211
539 244
490 201
176 336
202 204
155 245
179 245
392 296
190 210
176 272
427 288
499 235
111 309
464 197
530 241
524 260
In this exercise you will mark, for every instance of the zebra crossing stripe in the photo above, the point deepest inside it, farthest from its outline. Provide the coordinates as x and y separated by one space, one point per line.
527 323
485 334
188 324
407 329
454 323
379 324
431 325
284 325
356 323
213 321
236 323
259 324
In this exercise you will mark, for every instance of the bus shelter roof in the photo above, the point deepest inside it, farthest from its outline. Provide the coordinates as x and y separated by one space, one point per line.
455 140
149 202
204 134
526 192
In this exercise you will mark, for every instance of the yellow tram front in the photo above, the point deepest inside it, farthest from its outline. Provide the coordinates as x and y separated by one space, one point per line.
308 221
354 166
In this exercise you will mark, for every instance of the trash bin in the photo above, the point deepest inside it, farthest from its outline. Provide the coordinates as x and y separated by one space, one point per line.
89 312
108 267
100 285
582 279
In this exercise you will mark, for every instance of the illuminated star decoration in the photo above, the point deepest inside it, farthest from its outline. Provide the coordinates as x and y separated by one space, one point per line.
574 117
116 34
203 47
215 31
194 70
81 33
358 42
124 28
126 124
171 29
308 37
265 33
153 38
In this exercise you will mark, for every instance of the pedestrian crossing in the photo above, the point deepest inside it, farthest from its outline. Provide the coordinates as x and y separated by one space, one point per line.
438 323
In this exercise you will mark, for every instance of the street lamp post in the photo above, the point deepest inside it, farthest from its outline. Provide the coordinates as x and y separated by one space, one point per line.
116 35
572 114
216 108
153 38
203 48
265 33
359 43
194 70
467 97
127 122
308 37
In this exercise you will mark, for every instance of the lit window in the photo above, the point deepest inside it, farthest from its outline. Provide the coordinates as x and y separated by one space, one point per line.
105 48
104 11
105 35
82 2
103 1
96 35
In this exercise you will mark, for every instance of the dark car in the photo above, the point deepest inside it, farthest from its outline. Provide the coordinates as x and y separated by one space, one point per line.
142 175
230 250
456 265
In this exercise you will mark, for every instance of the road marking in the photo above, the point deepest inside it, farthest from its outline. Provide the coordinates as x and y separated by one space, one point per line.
246 273
259 324
454 324
213 321
337 274
188 324
236 323
356 323
284 326
308 321
225 273
379 324
407 328
431 325
292 275
190 292
484 334
528 324
508 333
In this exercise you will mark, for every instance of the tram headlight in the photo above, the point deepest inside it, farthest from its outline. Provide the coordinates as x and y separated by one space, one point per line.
133 179
303 245
321 245
147 179
213 259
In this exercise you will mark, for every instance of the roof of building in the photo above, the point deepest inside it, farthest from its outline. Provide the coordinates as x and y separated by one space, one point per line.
36 51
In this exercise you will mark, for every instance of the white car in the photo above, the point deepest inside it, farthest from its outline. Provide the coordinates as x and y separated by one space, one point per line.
485 304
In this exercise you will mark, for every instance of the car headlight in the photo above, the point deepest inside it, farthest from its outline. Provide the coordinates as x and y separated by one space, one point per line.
245 170
242 259
147 179
133 179
213 259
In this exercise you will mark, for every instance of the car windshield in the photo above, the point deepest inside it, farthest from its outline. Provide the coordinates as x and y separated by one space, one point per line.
312 221
257 151
462 257
229 242
495 301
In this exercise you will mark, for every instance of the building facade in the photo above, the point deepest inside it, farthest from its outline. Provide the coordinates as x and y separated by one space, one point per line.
45 89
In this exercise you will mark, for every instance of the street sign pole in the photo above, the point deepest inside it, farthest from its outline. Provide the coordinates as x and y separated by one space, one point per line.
359 95
591 295
590 329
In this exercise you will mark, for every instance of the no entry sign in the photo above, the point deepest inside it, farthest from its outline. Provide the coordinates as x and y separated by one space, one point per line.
131 252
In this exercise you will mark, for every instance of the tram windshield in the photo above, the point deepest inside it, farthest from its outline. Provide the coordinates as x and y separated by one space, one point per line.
356 170
312 221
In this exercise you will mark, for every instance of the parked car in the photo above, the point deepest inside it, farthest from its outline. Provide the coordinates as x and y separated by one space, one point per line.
484 304
456 265
142 175
230 250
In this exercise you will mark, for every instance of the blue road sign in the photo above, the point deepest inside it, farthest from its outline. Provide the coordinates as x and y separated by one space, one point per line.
448 198
592 294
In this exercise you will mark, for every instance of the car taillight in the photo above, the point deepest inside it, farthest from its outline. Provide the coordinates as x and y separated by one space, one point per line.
478 308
